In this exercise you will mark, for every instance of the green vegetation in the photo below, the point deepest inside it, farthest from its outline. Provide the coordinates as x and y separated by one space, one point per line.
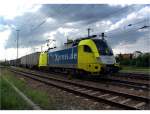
140 64
141 61
135 69
11 100
4 63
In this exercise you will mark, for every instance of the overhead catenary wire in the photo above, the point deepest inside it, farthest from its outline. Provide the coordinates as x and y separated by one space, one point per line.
62 7
104 17
38 25
145 22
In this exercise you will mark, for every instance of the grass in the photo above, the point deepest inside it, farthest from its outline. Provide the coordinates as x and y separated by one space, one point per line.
10 99
135 69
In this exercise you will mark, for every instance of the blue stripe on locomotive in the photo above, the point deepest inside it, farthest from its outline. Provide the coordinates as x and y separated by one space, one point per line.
66 56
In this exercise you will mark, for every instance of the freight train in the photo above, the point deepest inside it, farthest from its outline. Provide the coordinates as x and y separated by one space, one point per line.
91 55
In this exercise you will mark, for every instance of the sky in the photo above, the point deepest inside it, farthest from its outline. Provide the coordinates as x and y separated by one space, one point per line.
122 24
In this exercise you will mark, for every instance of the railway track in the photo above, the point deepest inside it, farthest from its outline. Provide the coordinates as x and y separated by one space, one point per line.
115 98
123 81
134 75
137 81
130 82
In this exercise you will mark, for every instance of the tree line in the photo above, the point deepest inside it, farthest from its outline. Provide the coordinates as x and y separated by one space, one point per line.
141 61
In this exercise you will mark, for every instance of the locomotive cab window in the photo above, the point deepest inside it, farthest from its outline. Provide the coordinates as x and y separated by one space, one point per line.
103 47
87 48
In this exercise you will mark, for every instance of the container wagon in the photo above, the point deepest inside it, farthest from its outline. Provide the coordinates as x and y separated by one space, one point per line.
31 60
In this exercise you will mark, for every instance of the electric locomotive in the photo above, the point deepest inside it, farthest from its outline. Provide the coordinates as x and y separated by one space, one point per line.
90 55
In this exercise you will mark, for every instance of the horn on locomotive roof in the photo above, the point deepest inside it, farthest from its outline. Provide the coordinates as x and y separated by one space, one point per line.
103 35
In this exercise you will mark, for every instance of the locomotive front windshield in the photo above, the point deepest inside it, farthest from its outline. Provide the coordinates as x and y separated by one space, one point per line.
103 47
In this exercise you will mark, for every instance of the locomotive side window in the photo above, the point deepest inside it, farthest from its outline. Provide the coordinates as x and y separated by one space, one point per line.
87 48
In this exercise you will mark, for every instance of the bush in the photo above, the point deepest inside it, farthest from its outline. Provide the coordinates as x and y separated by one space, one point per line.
141 61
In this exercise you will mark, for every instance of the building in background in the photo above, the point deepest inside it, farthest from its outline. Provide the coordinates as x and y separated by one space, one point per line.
124 56
133 55
137 54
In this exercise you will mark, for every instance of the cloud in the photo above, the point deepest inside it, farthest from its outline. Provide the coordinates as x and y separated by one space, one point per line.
132 18
59 21
29 30
88 13
121 32
142 44
3 40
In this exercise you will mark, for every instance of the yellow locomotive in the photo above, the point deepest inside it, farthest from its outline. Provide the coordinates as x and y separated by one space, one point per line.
87 55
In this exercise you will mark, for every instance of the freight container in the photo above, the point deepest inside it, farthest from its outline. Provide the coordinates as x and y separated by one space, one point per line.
30 60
